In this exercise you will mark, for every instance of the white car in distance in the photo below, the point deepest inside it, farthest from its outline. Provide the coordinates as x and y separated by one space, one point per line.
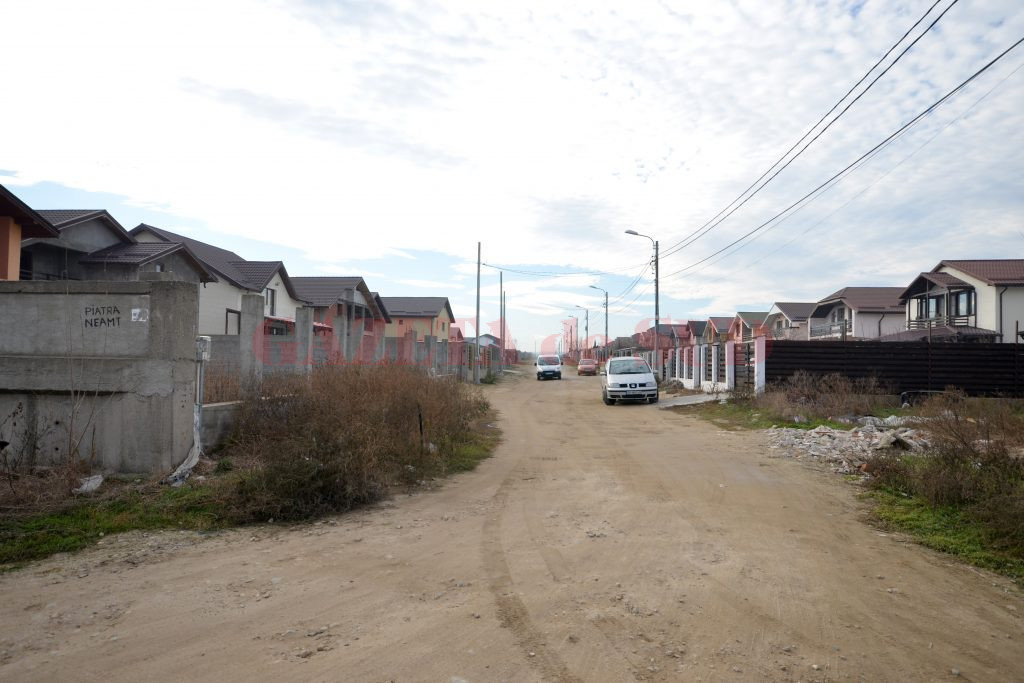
628 378
549 367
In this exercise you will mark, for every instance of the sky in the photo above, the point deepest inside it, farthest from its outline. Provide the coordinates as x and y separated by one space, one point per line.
386 139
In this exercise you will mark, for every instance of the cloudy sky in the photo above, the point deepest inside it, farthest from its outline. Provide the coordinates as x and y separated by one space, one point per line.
385 139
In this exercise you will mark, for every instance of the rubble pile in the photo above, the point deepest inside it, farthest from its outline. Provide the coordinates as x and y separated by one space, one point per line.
848 451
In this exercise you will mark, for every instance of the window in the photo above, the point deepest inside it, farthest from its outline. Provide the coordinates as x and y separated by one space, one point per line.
936 307
159 267
270 299
401 322
838 314
963 303
232 321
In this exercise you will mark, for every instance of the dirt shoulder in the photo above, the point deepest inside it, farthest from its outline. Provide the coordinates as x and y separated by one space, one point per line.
599 543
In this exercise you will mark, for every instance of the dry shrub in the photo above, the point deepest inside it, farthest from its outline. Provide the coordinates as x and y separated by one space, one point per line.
974 462
824 396
221 384
343 435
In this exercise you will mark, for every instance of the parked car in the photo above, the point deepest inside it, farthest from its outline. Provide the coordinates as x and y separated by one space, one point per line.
628 378
549 367
587 366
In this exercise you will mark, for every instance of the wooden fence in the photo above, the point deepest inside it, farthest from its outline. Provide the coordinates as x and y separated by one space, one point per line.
978 369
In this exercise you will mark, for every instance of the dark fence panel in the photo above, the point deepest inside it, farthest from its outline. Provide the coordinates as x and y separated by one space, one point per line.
905 366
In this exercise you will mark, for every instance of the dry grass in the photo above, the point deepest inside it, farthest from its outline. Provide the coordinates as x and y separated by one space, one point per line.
344 435
825 397
221 384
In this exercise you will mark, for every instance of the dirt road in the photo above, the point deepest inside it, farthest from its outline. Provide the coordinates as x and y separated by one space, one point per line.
598 544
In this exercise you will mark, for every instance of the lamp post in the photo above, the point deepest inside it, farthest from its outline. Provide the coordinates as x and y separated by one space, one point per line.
586 326
575 333
657 318
605 311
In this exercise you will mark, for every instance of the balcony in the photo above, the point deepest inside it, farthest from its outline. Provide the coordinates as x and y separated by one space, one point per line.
941 321
832 329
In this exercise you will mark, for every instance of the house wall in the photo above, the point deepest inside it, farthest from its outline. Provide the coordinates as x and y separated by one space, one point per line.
178 267
90 236
214 299
286 305
987 302
866 325
422 325
109 366
55 261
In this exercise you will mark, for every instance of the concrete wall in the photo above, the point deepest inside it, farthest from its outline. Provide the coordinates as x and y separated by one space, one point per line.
99 371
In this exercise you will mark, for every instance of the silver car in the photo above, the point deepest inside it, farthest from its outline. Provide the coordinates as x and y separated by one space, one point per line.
628 378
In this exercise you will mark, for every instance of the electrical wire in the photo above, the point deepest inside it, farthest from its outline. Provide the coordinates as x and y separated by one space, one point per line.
851 199
744 197
850 166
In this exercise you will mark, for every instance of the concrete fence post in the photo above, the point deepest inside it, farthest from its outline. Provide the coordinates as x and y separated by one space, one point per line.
730 365
303 339
760 364
714 364
250 340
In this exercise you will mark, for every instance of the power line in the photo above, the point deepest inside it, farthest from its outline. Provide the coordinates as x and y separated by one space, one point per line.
846 169
855 196
744 197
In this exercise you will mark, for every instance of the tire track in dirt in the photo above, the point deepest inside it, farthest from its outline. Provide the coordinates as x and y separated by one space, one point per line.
512 612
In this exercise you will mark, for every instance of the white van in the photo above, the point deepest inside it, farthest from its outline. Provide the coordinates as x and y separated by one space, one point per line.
549 367
628 378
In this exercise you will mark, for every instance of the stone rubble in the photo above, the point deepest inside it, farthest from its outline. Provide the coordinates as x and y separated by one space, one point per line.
848 451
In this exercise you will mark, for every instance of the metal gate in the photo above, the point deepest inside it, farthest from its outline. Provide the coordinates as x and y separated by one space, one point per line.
745 369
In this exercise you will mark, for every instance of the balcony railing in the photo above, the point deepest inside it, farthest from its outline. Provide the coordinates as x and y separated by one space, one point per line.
951 320
832 329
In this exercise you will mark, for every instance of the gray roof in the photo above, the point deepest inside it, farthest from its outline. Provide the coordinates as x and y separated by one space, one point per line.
943 333
796 310
219 260
863 299
751 318
141 253
417 306
258 273
60 217
720 323
380 304
33 224
251 275
325 291
66 218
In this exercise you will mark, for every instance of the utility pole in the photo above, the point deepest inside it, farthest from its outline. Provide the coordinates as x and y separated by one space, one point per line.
657 318
476 346
606 340
501 319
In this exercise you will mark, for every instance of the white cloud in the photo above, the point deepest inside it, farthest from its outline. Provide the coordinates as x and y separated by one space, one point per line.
390 130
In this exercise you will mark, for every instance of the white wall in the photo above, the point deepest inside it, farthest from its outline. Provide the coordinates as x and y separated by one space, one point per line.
866 325
214 299
285 304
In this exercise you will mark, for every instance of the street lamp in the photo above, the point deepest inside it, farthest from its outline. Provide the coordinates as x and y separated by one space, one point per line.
657 318
605 311
576 333
586 325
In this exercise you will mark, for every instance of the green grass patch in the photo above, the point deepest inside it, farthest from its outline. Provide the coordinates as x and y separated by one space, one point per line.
23 539
945 528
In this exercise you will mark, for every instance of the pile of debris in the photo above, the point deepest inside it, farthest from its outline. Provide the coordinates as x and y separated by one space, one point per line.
848 451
